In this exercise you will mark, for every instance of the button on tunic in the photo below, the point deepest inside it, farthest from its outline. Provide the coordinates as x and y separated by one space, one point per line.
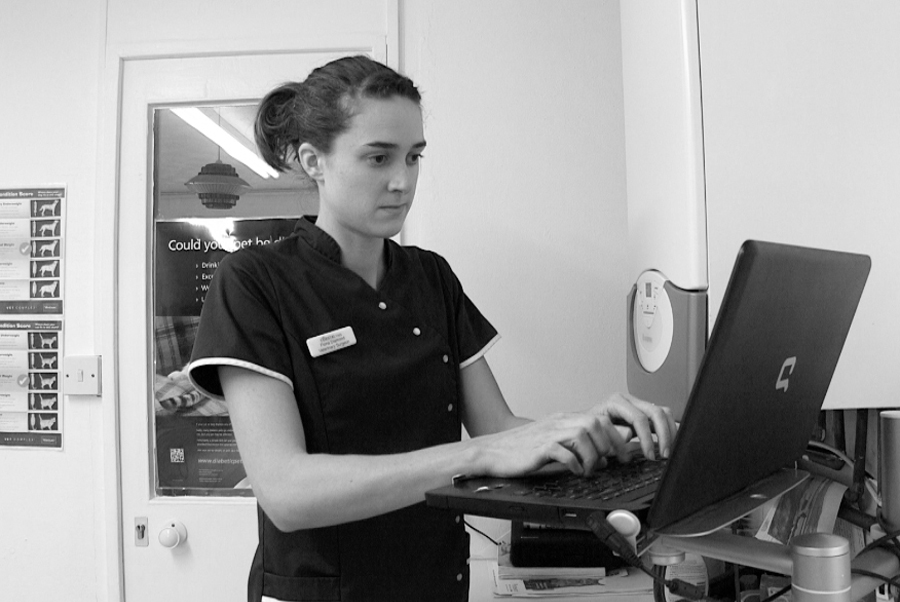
397 389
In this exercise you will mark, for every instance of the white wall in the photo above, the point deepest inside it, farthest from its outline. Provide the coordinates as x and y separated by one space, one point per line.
522 190
802 139
523 186
51 502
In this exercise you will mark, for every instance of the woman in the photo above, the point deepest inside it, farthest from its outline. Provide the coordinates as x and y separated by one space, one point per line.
348 364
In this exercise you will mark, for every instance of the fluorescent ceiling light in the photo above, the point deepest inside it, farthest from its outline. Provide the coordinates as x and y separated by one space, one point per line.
228 143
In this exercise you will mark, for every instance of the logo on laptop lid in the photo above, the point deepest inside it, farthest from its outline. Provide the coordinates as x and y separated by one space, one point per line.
787 368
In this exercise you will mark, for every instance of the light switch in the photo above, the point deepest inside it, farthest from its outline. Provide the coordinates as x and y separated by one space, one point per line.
81 375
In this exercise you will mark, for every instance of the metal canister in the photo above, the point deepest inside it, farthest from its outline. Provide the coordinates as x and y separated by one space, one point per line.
821 568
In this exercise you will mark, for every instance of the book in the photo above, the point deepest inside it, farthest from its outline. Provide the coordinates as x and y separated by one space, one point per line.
506 569
630 585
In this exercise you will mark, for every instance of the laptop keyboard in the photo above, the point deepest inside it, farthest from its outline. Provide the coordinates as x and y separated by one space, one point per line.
614 481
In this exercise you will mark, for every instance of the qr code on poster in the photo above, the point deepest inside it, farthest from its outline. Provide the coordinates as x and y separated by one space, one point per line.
176 455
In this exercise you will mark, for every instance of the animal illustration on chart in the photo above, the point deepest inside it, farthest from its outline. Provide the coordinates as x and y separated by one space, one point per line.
48 249
47 402
45 341
47 361
43 381
49 289
48 229
48 208
46 423
49 268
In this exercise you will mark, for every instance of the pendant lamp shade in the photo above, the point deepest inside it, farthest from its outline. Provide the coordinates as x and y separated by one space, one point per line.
217 185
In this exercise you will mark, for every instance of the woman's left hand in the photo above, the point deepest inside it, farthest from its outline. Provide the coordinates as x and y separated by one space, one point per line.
644 418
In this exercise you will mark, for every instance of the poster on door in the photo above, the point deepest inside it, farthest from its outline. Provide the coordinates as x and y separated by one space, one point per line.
31 321
196 453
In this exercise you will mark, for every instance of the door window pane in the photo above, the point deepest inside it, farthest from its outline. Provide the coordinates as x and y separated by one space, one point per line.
206 204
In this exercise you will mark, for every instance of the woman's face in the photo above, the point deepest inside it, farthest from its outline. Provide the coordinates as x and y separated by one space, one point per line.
368 180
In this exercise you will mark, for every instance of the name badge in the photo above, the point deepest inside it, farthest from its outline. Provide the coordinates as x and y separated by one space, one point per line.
331 341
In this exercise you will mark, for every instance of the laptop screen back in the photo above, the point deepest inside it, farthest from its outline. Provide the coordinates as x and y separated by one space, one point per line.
771 355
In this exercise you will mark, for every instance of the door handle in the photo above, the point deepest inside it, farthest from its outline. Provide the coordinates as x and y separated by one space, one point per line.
173 534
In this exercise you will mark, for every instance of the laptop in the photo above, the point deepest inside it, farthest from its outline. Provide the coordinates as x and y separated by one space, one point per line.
752 409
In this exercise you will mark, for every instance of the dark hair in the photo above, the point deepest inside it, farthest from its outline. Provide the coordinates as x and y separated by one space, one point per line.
319 108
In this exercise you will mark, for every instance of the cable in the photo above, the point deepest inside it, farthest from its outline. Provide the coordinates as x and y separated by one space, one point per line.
616 542
890 581
776 594
659 588
849 462
888 542
736 571
482 533
889 537
858 477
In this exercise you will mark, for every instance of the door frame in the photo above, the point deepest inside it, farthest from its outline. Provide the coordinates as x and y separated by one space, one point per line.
110 538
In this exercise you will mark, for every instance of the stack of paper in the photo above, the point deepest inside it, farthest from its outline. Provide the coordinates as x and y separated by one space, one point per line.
542 582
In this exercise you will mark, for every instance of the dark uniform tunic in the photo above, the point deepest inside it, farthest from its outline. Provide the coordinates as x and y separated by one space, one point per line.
395 390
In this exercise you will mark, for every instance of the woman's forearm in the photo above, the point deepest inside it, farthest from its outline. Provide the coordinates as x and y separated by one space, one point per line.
317 490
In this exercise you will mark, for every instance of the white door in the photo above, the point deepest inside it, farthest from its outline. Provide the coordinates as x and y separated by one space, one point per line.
212 562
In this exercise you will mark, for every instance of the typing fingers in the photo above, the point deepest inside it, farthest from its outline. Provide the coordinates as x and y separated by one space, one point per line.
616 439
602 439
584 441
663 424
666 429
645 418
